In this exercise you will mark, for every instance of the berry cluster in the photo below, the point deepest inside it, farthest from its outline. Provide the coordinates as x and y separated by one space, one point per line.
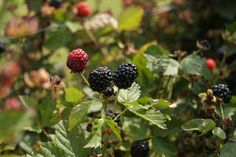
100 78
125 75
140 148
113 113
77 60
222 91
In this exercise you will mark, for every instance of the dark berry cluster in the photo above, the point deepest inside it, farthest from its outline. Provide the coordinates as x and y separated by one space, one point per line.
125 75
140 148
109 91
77 60
100 78
222 91
2 48
113 113
55 3
203 45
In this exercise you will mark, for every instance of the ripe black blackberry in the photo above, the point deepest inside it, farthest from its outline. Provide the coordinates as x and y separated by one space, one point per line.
113 113
139 149
125 75
2 48
109 91
55 3
222 91
100 78
204 45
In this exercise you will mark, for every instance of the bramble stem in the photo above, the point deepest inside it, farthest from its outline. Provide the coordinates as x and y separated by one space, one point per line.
120 114
222 112
85 80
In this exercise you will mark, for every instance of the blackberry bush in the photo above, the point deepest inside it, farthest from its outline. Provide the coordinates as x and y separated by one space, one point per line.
140 149
100 78
222 91
125 75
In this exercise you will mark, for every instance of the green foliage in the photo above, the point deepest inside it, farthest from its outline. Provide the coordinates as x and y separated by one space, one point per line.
130 23
228 149
73 95
192 64
64 143
201 125
20 119
130 94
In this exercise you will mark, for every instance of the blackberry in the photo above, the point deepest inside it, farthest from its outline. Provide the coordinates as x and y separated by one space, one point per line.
204 45
222 91
55 80
100 78
139 149
55 3
109 91
125 75
2 48
113 113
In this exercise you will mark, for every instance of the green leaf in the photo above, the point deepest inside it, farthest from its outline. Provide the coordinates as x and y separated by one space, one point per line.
201 125
113 125
162 146
167 66
64 143
46 109
172 67
155 117
57 38
135 128
27 101
130 94
73 95
96 135
77 114
13 123
130 19
156 50
192 64
228 149
219 133
73 26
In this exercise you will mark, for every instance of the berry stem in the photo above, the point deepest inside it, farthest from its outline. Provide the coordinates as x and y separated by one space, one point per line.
85 80
120 114
222 112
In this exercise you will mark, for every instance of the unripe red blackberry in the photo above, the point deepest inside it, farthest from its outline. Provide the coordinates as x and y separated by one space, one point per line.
82 9
109 91
100 78
222 91
125 75
211 64
77 61
139 149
